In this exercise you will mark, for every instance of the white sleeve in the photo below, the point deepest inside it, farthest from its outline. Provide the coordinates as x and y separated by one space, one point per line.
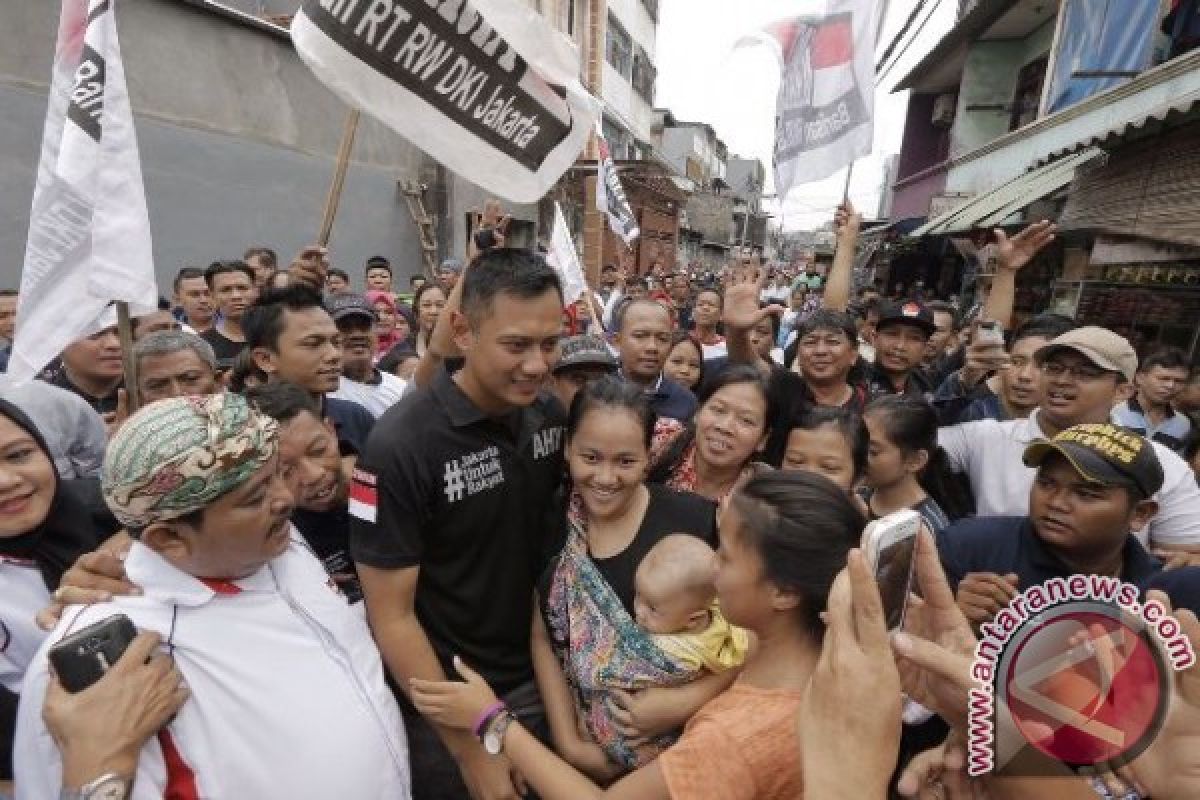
1178 519
955 440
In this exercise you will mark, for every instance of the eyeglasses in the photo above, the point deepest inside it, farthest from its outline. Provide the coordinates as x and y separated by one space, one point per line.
1079 372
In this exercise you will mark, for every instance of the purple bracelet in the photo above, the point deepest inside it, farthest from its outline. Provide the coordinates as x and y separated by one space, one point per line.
487 716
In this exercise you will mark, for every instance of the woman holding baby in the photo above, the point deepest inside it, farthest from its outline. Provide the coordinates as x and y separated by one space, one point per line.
784 537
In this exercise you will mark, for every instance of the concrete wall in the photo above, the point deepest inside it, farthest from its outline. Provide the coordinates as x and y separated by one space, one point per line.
237 140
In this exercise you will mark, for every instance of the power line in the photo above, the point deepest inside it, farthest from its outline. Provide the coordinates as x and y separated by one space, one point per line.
916 35
900 34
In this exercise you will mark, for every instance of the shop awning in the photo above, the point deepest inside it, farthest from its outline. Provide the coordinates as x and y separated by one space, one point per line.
993 207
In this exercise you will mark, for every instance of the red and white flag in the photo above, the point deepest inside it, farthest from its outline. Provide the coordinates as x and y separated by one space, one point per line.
89 234
825 107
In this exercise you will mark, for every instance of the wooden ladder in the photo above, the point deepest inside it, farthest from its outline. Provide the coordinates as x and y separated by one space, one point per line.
414 195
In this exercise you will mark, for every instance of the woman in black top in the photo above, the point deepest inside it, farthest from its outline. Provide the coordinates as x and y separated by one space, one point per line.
609 429
45 524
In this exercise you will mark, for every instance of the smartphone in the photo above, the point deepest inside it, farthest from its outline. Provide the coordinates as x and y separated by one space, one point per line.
82 658
889 544
990 332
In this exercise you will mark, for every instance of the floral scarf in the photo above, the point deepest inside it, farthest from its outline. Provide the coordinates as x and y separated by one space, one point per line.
600 646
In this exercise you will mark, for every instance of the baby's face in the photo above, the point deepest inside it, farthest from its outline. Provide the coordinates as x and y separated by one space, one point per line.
661 607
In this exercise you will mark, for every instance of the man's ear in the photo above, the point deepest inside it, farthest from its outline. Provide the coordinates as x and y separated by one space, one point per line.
168 539
464 337
264 359
1143 512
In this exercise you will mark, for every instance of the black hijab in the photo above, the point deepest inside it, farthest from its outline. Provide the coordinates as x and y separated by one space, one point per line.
75 524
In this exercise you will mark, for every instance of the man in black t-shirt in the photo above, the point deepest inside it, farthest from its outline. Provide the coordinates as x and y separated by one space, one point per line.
452 511
231 284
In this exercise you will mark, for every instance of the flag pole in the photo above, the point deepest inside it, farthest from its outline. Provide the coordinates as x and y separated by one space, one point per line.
339 177
125 333
846 187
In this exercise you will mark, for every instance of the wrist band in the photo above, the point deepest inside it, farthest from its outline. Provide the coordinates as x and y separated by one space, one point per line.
489 714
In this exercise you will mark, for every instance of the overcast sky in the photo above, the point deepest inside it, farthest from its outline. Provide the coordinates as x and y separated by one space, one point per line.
702 79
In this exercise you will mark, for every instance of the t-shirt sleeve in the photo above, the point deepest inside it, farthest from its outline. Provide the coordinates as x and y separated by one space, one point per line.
389 510
1178 519
706 764
954 441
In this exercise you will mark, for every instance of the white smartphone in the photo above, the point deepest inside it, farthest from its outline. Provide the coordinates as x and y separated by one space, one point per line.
889 544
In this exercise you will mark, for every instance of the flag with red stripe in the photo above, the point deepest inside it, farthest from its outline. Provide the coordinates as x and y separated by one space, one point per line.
364 497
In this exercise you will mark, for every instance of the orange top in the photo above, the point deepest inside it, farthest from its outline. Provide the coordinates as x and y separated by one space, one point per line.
743 744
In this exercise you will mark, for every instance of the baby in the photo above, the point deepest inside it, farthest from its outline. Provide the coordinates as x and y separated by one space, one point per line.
676 601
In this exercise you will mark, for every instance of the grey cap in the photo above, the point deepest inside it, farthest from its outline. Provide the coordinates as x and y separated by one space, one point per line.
585 351
344 306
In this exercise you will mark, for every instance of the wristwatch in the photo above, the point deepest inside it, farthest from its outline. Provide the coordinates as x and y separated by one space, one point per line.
109 786
493 740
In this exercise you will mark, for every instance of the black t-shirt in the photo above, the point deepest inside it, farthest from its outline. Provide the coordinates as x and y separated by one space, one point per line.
668 512
790 397
469 499
328 534
226 349
352 422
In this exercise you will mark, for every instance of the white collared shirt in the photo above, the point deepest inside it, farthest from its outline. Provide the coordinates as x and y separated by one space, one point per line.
287 701
376 398
990 453
23 594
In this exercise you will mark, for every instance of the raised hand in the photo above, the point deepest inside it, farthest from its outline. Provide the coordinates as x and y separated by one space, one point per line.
1015 253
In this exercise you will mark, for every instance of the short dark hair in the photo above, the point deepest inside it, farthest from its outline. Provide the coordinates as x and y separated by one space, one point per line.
414 278
282 401
826 319
267 255
425 287
187 273
848 423
506 270
377 262
395 357
946 308
622 310
802 527
226 267
242 370
1167 358
8 292
1044 326
341 273
263 322
610 391
734 374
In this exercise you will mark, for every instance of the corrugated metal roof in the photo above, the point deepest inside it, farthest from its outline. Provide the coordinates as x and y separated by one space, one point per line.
997 205
1180 109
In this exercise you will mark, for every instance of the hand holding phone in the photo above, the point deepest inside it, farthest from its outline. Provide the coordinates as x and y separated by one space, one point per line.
82 658
889 544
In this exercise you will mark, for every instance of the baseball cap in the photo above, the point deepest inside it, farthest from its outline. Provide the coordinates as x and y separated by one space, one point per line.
910 312
585 351
344 306
1104 454
1102 347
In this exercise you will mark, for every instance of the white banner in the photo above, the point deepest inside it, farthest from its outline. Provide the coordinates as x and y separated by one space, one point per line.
825 107
488 87
89 235
564 258
610 196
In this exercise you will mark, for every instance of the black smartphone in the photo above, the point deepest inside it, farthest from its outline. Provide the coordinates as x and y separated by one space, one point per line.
82 658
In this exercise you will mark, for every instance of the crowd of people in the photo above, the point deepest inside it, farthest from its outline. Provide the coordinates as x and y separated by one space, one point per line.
467 541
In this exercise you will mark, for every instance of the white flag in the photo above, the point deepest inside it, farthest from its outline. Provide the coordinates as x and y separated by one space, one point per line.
564 258
610 197
89 235
488 87
825 107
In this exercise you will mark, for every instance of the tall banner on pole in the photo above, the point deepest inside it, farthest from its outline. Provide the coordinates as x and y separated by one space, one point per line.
610 196
89 233
486 87
824 114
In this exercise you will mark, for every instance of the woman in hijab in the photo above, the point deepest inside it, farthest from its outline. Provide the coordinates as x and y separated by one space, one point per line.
45 524
385 321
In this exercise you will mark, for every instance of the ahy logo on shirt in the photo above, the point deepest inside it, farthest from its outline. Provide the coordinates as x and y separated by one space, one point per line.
547 443
472 474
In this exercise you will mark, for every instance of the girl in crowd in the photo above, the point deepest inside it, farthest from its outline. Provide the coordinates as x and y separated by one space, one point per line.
587 593
706 316
385 321
905 466
428 303
685 362
45 524
710 454
784 538
832 442
762 339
